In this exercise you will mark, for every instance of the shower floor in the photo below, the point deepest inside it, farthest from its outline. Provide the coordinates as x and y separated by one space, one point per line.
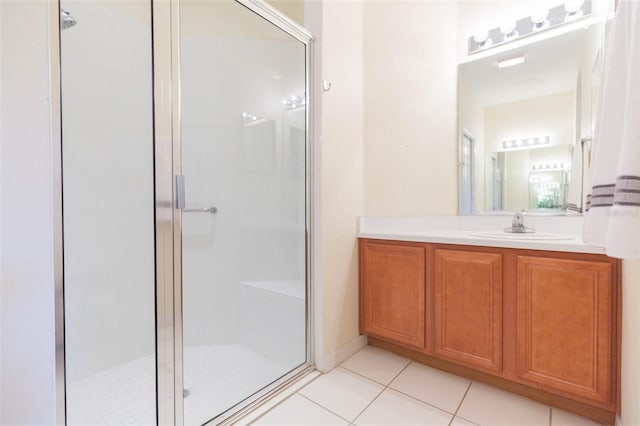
217 377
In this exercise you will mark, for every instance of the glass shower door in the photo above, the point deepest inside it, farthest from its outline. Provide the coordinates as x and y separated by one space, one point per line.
106 75
244 221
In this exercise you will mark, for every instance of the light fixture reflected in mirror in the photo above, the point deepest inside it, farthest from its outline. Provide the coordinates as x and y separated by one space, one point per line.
526 142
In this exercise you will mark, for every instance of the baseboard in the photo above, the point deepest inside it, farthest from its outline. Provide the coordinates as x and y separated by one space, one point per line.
618 421
332 360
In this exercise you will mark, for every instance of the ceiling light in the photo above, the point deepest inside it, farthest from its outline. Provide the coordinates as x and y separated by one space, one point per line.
509 62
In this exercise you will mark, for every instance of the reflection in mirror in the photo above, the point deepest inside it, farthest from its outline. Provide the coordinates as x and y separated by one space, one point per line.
527 118
531 178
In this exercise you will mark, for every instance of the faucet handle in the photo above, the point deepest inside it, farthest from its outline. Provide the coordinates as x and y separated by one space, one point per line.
518 219
517 224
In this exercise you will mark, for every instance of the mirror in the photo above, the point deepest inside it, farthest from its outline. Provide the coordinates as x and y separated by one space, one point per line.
525 114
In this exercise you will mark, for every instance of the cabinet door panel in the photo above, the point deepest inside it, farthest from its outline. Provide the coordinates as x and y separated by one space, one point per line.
468 308
393 292
564 325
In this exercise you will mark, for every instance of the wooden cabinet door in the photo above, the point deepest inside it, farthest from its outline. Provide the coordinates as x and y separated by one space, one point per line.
564 330
392 292
468 308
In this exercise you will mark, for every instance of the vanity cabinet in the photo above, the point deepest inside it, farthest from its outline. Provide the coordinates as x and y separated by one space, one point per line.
467 308
564 318
393 292
539 323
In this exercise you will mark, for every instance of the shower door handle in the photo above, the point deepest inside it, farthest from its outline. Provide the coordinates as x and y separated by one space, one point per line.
181 203
212 210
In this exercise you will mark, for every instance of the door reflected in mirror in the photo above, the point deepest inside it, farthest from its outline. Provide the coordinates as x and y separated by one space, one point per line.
527 121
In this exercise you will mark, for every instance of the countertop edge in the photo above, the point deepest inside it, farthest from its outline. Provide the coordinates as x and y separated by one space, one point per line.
575 247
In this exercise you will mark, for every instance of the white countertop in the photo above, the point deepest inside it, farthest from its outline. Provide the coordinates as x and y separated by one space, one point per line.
463 230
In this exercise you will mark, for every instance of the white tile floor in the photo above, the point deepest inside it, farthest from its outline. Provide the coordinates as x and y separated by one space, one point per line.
376 387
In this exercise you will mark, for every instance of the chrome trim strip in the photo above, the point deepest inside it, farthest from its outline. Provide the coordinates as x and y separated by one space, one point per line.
309 198
176 119
313 19
164 205
278 19
253 402
58 246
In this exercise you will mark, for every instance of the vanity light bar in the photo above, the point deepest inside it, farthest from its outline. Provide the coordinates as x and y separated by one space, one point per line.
526 142
547 167
541 20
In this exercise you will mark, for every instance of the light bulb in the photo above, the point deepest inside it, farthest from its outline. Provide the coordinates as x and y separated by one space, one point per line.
508 28
482 38
539 19
573 6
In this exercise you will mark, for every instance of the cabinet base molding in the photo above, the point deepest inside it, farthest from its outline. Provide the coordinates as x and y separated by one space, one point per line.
599 415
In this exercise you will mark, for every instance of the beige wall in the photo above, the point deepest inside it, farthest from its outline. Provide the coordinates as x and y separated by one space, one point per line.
630 343
294 9
410 132
342 198
406 136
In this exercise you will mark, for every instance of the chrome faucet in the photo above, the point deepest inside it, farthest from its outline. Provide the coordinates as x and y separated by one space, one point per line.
517 225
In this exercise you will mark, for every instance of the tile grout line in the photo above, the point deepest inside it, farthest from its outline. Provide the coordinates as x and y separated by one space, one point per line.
383 389
323 407
406 394
363 376
460 404
421 401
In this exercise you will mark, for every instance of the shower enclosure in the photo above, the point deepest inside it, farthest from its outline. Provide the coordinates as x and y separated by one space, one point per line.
185 165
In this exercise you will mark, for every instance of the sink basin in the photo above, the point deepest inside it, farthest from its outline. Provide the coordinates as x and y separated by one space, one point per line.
497 235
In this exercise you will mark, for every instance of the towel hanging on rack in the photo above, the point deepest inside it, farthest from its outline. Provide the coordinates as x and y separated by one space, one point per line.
613 201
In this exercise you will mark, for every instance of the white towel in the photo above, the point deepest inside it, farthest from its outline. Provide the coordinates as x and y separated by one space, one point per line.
613 216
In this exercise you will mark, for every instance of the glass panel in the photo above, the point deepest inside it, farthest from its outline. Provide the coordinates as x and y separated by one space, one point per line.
108 207
243 151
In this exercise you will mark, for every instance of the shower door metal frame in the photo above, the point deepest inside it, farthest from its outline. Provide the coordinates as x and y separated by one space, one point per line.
167 118
166 128
55 97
